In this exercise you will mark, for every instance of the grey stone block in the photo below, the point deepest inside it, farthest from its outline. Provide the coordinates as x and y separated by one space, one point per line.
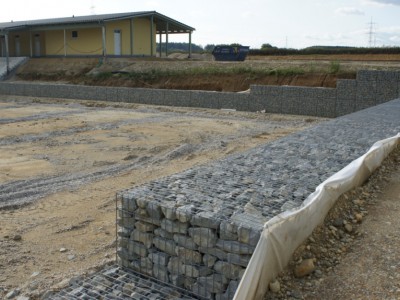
165 245
366 91
205 99
366 75
177 98
235 247
346 89
112 94
364 105
206 219
242 101
257 103
227 100
174 226
345 107
135 248
203 237
325 107
229 270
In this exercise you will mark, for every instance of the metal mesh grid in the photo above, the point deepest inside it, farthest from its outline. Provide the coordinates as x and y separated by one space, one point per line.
119 284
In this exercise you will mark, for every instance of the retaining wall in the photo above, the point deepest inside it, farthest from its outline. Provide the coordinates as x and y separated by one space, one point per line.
370 88
198 229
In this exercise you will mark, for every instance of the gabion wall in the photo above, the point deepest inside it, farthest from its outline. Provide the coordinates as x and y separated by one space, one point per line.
369 89
198 229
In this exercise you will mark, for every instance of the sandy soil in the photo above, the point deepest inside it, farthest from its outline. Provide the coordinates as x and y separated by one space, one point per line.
62 163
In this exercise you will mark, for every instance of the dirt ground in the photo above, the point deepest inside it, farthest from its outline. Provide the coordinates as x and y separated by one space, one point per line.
162 73
63 161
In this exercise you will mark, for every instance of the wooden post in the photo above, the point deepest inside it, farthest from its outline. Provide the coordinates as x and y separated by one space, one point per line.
7 54
166 40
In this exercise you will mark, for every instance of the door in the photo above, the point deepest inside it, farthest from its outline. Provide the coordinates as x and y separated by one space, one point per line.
17 46
37 45
117 42
3 46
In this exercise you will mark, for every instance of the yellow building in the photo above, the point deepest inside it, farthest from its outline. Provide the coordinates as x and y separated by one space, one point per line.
123 34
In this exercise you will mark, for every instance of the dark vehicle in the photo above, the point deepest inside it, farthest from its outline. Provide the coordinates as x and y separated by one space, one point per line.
230 53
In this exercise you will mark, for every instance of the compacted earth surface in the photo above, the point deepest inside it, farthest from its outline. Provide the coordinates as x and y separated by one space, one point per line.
63 161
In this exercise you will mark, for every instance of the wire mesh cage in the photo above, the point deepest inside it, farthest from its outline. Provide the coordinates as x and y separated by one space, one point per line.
200 251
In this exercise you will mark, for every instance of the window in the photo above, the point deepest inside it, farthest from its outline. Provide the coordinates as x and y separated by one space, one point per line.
74 34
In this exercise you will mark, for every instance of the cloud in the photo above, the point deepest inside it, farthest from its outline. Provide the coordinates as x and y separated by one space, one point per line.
344 11
395 38
383 2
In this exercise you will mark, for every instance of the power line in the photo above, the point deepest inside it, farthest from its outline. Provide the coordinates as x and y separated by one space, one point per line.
371 34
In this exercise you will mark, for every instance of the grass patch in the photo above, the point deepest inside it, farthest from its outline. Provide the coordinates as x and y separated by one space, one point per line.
155 74
334 67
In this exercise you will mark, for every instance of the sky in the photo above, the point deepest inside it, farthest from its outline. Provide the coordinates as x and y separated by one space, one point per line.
281 23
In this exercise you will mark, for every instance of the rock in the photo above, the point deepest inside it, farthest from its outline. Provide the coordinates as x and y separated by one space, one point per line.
174 226
275 286
348 227
184 213
143 237
71 257
62 250
17 237
23 298
230 271
185 241
359 217
209 260
206 219
203 237
296 294
144 227
338 222
34 274
215 283
305 268
188 256
159 258
235 247
165 245
12 294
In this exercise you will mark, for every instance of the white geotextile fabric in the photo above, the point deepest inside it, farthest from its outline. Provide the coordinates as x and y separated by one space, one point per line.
284 233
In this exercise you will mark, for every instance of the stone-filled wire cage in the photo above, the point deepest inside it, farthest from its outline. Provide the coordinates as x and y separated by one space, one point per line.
200 252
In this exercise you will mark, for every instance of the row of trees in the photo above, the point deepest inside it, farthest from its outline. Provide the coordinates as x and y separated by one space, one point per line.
268 49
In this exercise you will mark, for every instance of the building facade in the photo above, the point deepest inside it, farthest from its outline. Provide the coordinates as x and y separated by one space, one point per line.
124 34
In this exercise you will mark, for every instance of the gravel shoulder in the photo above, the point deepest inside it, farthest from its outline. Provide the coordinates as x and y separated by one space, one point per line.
354 254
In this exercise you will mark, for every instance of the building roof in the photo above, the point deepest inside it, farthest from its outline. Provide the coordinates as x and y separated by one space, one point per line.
160 20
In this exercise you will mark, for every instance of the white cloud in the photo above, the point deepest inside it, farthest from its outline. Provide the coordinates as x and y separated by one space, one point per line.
349 11
395 38
382 2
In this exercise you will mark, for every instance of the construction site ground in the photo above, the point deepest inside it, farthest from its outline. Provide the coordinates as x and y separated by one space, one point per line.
62 161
